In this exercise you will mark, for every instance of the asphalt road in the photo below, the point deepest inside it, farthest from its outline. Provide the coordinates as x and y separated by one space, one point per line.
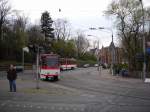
80 90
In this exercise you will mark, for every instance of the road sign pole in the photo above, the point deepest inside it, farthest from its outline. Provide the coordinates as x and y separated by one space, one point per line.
37 72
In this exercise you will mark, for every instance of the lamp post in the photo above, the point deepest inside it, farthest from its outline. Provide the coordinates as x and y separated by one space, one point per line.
144 62
111 46
37 69
24 49
36 49
22 61
99 69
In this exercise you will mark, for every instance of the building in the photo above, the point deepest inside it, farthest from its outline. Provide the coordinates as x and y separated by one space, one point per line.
94 51
105 55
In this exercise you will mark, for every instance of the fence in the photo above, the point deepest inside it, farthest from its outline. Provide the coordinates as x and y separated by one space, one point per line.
4 68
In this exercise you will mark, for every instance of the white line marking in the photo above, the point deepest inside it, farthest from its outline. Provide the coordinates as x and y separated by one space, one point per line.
82 109
60 108
52 108
45 107
39 107
2 104
66 108
75 109
18 105
10 105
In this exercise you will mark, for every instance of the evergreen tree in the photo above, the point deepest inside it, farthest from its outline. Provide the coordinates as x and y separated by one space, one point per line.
47 30
46 26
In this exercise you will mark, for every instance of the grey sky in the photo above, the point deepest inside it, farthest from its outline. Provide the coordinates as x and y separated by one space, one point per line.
82 14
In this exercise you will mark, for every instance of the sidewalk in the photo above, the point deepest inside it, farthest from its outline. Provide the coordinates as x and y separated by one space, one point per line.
26 83
105 73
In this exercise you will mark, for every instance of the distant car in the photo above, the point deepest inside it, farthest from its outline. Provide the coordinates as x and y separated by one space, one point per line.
124 72
19 68
96 65
104 66
86 65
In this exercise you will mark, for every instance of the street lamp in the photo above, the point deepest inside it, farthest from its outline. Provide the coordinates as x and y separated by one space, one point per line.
98 52
144 62
36 49
24 49
112 46
101 28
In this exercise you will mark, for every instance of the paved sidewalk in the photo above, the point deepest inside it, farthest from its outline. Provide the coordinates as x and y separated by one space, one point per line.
105 73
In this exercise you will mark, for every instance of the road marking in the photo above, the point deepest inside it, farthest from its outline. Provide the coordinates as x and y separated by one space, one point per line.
8 100
66 108
45 107
53 108
60 108
18 105
75 109
2 104
82 109
14 98
38 107
10 105
88 95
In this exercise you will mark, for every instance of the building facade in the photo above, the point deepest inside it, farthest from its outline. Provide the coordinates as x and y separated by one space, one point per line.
105 55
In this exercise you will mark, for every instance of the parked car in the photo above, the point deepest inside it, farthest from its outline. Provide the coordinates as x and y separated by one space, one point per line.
104 66
124 72
86 65
19 68
96 65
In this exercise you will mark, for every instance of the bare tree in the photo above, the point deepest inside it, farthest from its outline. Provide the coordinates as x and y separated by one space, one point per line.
62 29
4 10
20 33
82 43
35 36
128 16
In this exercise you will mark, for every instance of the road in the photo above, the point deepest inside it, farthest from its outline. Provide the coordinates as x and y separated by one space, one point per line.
80 90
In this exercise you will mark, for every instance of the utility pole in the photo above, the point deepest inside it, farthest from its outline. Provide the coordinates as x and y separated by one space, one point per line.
22 61
97 53
112 55
112 47
37 65
144 62
98 60
25 49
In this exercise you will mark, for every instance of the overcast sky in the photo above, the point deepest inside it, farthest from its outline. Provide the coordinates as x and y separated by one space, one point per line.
82 14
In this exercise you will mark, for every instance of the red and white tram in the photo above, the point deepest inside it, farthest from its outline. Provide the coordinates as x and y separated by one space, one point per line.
67 64
49 67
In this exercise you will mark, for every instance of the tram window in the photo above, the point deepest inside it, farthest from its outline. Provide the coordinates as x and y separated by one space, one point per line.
52 61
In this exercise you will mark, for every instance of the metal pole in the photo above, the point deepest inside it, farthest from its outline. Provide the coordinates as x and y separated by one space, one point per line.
22 61
112 72
37 72
98 56
144 62
113 52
